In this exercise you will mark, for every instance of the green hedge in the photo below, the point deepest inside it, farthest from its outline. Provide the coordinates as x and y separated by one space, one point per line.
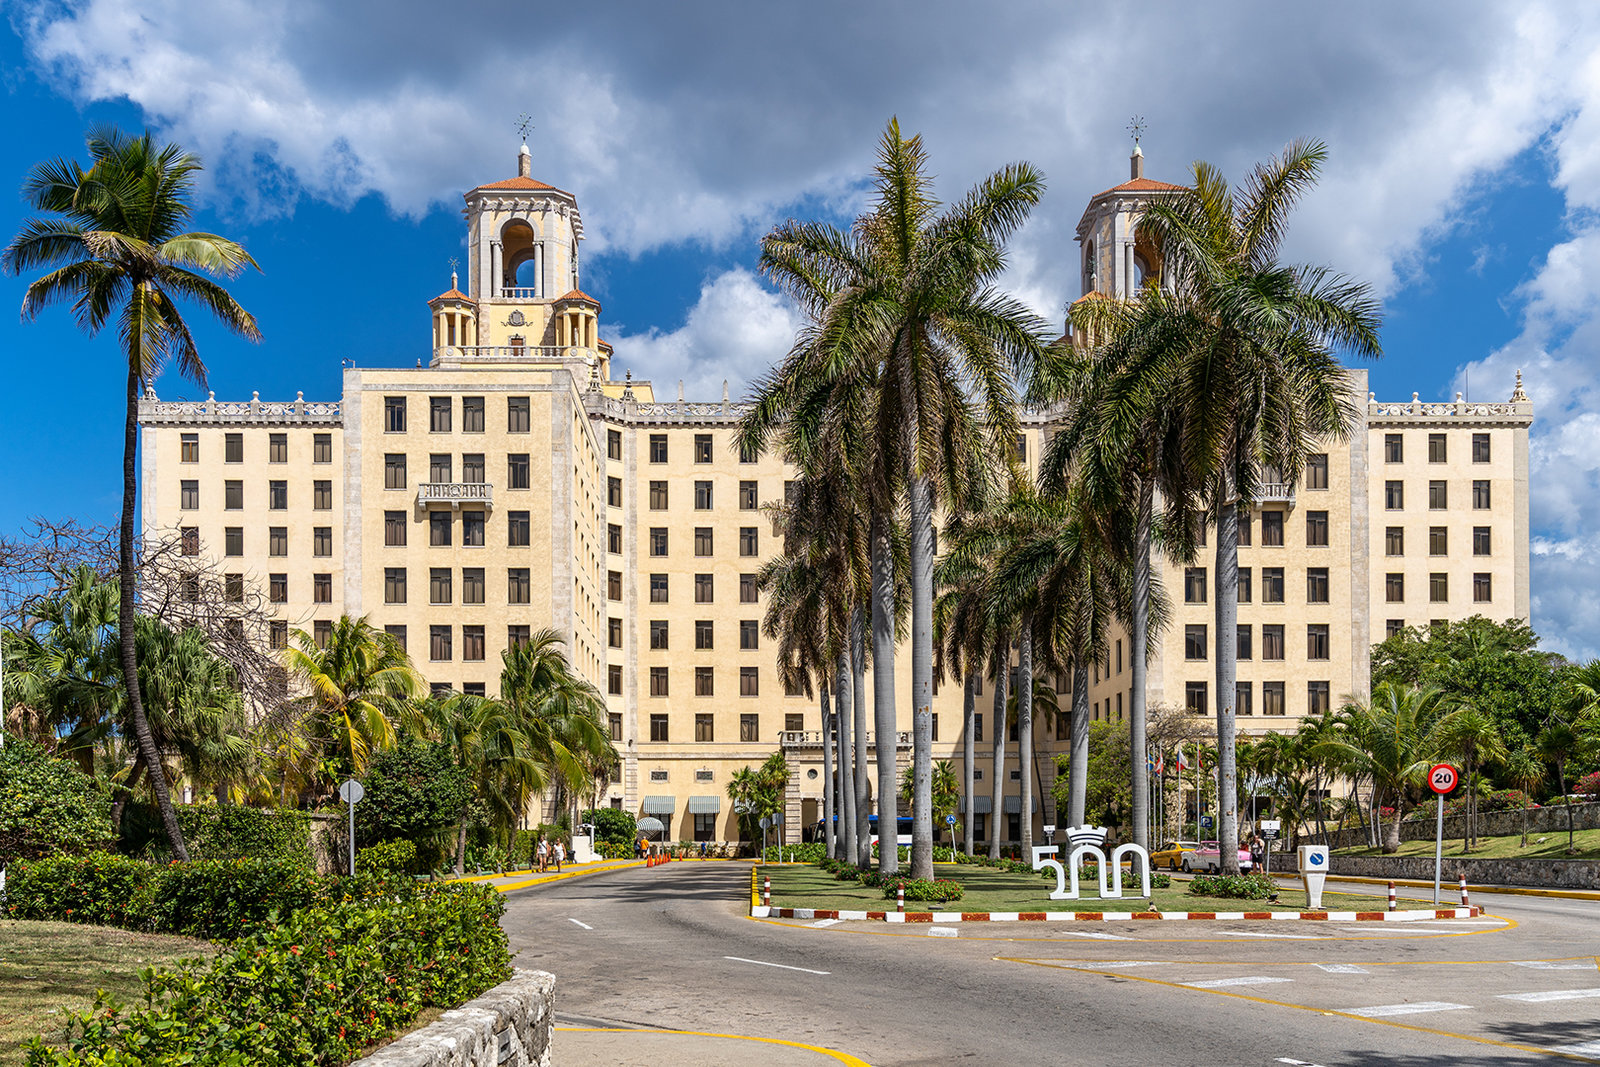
939 889
399 857
1253 886
48 805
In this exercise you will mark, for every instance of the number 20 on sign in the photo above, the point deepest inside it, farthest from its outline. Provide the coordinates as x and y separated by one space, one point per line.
1442 778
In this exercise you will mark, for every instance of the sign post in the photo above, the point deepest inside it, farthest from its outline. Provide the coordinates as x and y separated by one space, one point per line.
1050 832
1442 779
1269 834
777 822
350 792
950 821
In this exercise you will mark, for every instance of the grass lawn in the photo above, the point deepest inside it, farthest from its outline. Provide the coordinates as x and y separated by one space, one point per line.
988 889
1548 844
49 967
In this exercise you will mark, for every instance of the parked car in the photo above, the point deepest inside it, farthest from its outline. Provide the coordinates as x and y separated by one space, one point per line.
1208 857
1170 856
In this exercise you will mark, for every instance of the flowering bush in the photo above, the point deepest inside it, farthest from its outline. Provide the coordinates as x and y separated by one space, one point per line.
938 889
1588 785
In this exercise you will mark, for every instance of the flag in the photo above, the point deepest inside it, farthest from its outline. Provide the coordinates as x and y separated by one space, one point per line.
1161 764
1183 761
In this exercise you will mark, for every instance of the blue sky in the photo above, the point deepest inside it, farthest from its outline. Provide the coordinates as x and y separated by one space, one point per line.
1463 183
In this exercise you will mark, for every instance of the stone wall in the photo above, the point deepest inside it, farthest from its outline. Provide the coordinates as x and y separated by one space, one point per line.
1550 819
1544 873
514 1015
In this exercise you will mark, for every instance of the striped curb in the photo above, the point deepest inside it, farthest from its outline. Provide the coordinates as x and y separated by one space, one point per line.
1419 915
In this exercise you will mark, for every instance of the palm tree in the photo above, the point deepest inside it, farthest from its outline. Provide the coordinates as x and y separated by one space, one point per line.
1557 743
358 686
1523 770
1474 737
1251 362
497 754
907 297
113 242
1395 745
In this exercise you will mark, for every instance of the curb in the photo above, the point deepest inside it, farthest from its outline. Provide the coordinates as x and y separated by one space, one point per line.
1510 890
1418 915
542 879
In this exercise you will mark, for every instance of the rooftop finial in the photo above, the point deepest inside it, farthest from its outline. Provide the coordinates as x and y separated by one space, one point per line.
524 157
1136 127
1517 395
454 263
1136 159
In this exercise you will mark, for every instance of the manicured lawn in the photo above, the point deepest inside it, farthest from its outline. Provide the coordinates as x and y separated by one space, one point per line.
47 968
988 889
1547 844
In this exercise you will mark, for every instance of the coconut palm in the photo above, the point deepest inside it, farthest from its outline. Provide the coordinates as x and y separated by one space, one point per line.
1473 736
1251 362
1558 742
493 747
112 241
1392 744
1525 772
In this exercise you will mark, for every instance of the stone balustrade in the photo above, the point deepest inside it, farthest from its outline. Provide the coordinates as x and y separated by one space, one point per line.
253 412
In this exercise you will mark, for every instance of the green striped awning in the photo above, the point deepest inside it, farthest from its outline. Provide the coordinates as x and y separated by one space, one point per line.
1014 805
985 805
658 805
705 805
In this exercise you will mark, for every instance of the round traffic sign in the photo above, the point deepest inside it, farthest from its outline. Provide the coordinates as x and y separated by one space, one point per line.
351 791
1442 778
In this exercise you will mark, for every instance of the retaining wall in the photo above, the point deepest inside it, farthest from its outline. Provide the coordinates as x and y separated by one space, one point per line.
1544 873
1550 819
509 1025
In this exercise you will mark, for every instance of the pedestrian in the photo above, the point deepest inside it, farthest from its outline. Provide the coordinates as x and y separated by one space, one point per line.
638 849
561 853
544 854
1257 851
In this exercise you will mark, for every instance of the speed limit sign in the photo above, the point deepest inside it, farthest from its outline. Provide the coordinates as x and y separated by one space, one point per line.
1442 778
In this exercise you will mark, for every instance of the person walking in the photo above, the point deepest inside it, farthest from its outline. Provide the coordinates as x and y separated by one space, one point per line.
544 855
561 853
1257 851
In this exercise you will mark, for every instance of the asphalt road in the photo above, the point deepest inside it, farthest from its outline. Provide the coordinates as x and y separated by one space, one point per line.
672 947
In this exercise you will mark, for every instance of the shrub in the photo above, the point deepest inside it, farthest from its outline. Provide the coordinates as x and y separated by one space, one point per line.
102 889
414 791
233 831
938 889
398 856
1090 872
1588 785
614 826
806 852
848 873
1253 886
48 806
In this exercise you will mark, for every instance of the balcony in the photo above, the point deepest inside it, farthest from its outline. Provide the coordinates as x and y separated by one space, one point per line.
455 493
1275 493
512 292
813 739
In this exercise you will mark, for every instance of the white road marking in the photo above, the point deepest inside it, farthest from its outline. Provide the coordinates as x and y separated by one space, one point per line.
1555 965
763 963
1248 979
827 922
1342 968
1588 1048
1126 963
1552 994
586 926
1098 937
1297 1063
1383 1011
943 931
1286 937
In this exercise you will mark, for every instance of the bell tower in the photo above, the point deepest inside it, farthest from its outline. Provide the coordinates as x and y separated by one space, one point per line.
1116 259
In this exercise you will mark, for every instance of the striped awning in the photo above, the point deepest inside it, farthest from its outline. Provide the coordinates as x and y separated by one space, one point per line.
985 805
658 805
1014 805
705 805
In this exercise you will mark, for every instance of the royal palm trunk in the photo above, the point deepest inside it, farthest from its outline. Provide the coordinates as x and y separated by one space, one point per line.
1025 730
858 668
1227 648
830 829
1138 649
847 764
997 788
1078 732
922 678
885 749
969 700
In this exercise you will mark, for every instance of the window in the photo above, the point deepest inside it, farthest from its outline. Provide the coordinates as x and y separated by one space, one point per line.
1245 642
658 540
1194 697
614 687
322 589
278 634
1194 585
439 467
472 468
473 688
1393 448
473 528
793 688
614 633
233 448
518 637
394 585
613 538
1272 585
322 448
703 729
232 541
658 496
1438 495
1438 541
517 420
322 496
658 634
1318 698
613 444
704 682
189 448
1394 496
517 472
1316 585
440 586
439 408
1242 702
1317 471
1394 588
613 585
322 632
658 448
703 633
277 540
794 722
1480 495
977 726
277 448
1194 642
658 688
189 494
1438 588
702 589
1245 527
1436 448
1480 540
1394 627
748 542
747 496
1272 641
439 643
394 470
747 453
394 414
277 588
702 448
233 495
472 585
1394 541
1317 642
1482 589
472 414
1272 528
277 496
1272 702
322 541
702 496
394 528
702 540
232 588
518 528
749 681
749 634
749 590
1316 527
749 728
1480 448
472 642
1246 585
614 492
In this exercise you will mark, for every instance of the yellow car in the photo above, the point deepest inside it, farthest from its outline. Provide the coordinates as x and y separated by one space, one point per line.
1171 856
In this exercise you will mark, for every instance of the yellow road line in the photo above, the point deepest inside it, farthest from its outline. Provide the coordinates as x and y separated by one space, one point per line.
842 1057
577 873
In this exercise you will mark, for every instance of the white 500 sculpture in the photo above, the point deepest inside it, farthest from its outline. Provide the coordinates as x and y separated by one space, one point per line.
1090 840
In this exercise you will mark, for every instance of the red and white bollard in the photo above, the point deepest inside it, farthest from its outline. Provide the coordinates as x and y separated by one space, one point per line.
766 891
1465 903
900 899
1391 897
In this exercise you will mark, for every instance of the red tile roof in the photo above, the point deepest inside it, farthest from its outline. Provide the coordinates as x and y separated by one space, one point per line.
1142 185
452 294
518 183
578 294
